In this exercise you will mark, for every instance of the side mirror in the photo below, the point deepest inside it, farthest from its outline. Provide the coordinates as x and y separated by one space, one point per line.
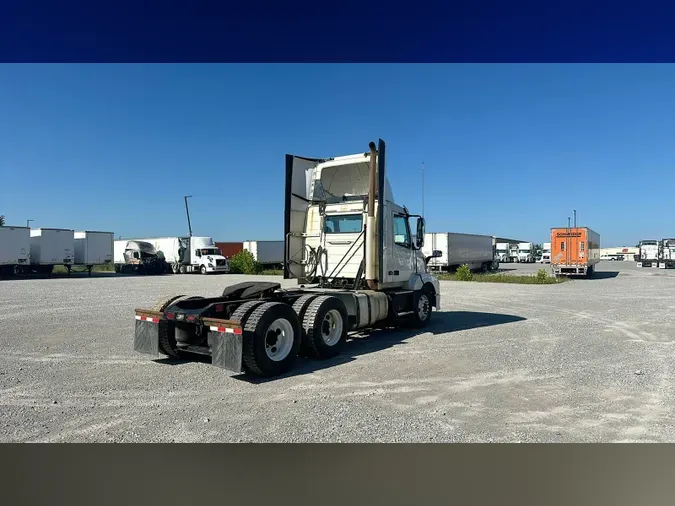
198 253
419 239
434 254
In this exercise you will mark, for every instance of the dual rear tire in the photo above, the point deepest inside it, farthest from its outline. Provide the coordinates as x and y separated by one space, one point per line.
275 334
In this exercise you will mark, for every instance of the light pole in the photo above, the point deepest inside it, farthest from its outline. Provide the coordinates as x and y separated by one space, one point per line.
575 218
187 211
28 223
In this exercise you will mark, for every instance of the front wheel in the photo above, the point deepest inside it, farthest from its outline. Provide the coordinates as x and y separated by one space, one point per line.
421 308
203 269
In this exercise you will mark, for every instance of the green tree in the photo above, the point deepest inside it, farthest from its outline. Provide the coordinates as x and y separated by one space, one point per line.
2 220
464 273
244 263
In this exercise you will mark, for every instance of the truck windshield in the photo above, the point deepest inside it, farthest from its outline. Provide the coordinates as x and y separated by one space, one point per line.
343 224
210 251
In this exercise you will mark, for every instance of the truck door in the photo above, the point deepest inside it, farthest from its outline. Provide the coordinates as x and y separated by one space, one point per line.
399 257
298 196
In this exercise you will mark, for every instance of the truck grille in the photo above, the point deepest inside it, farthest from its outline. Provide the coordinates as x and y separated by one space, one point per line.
221 263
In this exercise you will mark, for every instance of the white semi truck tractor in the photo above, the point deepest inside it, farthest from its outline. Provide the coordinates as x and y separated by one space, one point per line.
351 249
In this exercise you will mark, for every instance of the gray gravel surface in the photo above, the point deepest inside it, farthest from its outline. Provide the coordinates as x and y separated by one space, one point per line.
588 360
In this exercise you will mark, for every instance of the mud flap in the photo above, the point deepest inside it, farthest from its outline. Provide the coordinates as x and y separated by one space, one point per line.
146 337
227 350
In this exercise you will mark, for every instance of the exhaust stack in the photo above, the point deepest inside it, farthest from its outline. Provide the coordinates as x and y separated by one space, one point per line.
371 224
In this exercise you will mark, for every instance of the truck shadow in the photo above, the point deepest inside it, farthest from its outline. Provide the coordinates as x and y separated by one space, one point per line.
602 275
377 340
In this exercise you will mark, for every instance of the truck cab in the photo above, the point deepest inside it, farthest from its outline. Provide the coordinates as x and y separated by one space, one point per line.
502 252
525 252
200 254
667 253
141 257
648 253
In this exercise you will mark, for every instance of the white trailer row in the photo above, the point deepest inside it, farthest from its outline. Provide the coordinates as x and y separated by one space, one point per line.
24 250
476 251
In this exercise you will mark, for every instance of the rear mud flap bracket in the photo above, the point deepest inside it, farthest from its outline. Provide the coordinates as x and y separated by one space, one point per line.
227 350
146 337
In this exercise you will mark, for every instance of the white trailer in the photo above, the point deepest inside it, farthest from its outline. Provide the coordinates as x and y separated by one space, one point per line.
50 247
14 250
189 254
93 248
266 252
648 253
476 251
119 246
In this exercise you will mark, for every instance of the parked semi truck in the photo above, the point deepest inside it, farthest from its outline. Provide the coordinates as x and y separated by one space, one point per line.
666 253
648 253
474 250
350 248
14 250
574 251
502 252
525 252
50 247
267 253
546 253
138 257
189 254
93 248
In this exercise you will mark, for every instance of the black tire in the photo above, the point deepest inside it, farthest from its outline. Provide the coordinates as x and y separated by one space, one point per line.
256 339
315 325
590 272
167 331
242 313
202 269
421 317
301 305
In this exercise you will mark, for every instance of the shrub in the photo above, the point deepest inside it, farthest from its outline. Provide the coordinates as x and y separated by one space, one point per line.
542 276
464 273
244 263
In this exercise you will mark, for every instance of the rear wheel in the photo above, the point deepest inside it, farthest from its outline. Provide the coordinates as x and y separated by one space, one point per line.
271 339
300 307
167 330
325 327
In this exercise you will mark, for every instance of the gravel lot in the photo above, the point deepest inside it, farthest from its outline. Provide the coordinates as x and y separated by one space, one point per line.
588 360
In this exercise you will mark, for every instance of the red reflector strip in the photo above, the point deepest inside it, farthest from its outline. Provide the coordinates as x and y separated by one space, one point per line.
225 330
151 319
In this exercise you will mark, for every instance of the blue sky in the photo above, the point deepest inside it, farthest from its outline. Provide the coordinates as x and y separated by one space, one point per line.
509 150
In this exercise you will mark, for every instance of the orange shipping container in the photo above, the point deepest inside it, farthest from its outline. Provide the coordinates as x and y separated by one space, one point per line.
229 249
574 251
